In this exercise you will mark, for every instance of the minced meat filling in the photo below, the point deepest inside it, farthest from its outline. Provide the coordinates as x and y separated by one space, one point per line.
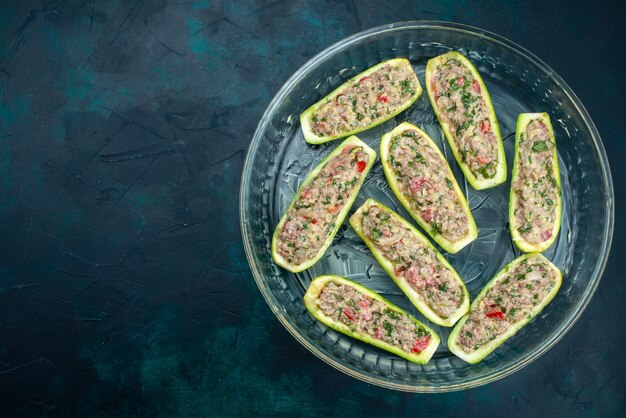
423 178
460 102
370 99
413 261
312 218
508 302
368 316
535 186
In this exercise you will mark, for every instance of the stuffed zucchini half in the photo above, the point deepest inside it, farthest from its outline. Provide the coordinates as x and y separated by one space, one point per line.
321 204
535 200
421 179
361 313
464 109
369 99
515 295
420 271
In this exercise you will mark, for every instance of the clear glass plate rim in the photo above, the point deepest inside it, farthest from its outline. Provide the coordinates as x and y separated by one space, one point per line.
449 26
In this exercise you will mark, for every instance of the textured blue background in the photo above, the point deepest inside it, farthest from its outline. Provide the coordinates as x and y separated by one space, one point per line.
124 288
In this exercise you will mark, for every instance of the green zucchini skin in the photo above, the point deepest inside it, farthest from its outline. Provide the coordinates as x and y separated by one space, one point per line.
522 122
473 180
313 293
482 352
356 221
295 268
449 246
306 117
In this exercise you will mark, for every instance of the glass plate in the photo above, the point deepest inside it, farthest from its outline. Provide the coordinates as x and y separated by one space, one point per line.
279 159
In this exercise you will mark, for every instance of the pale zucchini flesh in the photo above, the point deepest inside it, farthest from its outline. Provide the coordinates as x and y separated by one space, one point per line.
295 268
449 246
313 292
401 282
480 353
477 182
523 120
306 118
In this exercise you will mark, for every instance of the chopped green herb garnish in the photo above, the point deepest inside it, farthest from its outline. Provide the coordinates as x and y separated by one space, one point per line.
549 176
467 99
407 87
448 183
420 158
525 228
388 327
391 314
539 146
484 170
462 127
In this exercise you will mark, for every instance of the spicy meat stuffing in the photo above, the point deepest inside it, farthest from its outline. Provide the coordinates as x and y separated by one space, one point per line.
312 219
368 316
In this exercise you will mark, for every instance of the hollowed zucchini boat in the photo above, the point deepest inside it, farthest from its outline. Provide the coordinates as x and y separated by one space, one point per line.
320 205
464 109
421 179
499 311
420 271
535 199
366 100
361 313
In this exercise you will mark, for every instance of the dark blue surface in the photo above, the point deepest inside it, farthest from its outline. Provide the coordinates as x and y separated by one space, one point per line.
124 288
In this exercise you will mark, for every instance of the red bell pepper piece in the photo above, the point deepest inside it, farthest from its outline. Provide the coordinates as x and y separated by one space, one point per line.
382 98
347 312
495 314
420 344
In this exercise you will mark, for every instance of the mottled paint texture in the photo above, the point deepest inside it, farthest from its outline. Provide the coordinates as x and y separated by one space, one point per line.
124 288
